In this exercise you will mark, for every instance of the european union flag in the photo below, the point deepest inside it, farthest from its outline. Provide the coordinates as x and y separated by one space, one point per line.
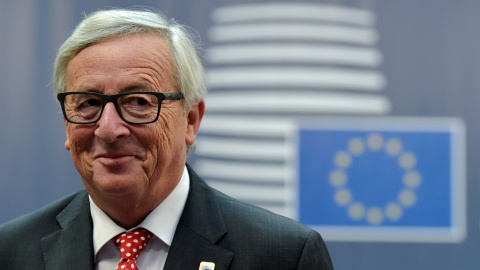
383 180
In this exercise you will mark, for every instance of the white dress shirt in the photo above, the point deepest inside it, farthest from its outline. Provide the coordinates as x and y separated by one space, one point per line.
162 222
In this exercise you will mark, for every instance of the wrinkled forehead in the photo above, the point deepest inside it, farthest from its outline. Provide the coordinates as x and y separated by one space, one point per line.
143 58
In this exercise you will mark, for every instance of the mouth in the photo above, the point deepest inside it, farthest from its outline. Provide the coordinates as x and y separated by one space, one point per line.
114 159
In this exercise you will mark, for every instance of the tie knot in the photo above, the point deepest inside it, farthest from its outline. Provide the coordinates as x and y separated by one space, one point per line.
132 243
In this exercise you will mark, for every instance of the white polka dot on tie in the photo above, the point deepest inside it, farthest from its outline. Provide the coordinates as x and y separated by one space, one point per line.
130 245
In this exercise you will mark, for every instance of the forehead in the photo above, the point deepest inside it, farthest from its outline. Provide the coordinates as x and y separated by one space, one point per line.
139 57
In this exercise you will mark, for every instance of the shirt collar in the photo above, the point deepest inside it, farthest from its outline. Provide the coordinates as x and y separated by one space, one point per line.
162 221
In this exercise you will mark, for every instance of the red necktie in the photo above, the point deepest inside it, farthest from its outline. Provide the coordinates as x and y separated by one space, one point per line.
130 245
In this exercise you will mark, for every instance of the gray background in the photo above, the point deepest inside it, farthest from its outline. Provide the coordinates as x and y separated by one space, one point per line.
432 62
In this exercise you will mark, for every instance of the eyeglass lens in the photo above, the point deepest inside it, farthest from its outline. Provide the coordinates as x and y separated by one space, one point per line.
138 108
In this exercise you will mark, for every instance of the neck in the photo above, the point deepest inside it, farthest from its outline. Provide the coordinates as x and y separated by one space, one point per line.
125 213
128 211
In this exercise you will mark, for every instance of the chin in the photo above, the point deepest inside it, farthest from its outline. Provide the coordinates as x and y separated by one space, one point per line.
118 185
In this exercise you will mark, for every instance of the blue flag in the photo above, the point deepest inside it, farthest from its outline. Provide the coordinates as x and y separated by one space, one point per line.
383 180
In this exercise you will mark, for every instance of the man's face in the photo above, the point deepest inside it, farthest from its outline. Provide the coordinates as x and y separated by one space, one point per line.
141 162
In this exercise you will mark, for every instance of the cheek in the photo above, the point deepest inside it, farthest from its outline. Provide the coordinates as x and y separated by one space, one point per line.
79 151
168 135
78 134
79 138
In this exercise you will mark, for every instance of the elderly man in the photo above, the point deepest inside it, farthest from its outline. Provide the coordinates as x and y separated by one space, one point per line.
131 89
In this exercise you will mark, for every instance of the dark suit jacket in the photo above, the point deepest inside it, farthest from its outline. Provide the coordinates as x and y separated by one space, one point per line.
213 228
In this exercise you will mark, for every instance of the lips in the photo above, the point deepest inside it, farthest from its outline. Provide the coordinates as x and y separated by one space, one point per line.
114 159
114 156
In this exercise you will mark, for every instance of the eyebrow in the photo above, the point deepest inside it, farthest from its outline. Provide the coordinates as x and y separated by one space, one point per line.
138 86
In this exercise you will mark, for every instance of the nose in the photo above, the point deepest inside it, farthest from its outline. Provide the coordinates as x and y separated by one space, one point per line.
111 127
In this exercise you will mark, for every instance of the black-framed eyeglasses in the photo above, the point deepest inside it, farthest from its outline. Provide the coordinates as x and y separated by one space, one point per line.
138 107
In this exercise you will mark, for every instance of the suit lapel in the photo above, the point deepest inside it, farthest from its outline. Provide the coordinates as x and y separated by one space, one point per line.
200 228
73 241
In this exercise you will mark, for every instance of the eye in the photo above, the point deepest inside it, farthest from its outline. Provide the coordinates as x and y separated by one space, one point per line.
138 101
90 103
83 101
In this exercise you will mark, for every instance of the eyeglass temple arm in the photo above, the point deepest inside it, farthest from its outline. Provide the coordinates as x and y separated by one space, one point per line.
174 96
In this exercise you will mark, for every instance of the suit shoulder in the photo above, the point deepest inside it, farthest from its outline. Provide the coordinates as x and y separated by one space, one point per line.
238 213
38 222
271 237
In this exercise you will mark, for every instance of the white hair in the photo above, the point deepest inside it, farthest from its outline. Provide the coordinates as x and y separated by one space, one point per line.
104 24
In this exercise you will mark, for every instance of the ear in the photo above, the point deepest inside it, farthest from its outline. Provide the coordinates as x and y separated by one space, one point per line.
67 142
194 117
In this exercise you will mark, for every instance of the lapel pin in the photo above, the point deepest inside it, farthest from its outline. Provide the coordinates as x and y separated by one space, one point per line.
206 266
